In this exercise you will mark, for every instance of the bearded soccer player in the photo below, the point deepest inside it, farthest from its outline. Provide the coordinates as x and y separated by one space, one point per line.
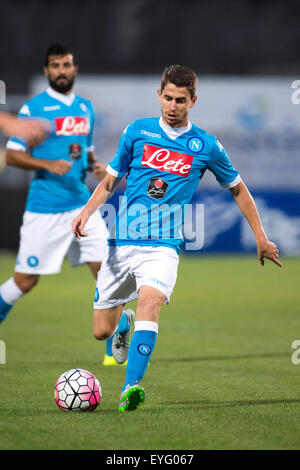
58 190
164 160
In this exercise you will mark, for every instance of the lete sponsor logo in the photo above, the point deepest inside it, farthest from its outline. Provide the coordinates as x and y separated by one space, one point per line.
167 160
72 125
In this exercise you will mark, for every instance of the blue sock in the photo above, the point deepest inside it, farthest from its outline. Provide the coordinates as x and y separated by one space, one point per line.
141 348
123 327
108 346
4 309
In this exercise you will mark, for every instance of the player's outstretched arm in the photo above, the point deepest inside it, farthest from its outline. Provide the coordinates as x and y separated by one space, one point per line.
34 131
265 248
25 161
102 193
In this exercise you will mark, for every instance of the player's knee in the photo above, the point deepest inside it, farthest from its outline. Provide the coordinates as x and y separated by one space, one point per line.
102 332
151 300
101 335
26 282
105 322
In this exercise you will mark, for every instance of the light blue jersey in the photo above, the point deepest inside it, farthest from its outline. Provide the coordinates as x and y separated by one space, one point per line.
163 172
72 120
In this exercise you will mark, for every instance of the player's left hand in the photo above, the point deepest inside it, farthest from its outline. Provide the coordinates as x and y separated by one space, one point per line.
78 225
269 250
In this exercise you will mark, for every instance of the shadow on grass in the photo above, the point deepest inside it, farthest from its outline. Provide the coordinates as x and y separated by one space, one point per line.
210 404
56 413
219 358
177 405
206 404
92 364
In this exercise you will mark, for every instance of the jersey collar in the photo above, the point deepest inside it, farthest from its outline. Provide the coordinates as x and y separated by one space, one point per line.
174 132
65 99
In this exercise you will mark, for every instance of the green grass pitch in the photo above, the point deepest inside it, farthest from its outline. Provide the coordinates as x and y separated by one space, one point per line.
221 376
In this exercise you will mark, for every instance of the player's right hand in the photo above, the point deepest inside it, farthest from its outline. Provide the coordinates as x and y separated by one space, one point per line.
269 250
78 225
59 167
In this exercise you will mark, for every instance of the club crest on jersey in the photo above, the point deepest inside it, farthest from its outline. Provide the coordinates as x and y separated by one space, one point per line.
75 151
195 144
83 107
157 188
72 125
167 160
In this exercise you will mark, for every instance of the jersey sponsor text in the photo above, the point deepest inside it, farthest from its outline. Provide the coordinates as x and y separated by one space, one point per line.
167 160
72 125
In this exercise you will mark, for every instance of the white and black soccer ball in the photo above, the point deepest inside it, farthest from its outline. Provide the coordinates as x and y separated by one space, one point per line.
77 390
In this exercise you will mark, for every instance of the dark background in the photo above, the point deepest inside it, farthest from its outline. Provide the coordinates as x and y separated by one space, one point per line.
240 37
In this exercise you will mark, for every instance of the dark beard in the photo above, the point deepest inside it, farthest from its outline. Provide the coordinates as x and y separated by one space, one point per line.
62 88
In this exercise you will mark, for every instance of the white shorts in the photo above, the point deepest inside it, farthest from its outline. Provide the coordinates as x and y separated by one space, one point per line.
126 268
45 240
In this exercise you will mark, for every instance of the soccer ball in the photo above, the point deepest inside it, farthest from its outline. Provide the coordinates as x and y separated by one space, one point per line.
77 390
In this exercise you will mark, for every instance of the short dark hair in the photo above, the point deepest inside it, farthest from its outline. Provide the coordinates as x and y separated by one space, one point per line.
58 49
180 76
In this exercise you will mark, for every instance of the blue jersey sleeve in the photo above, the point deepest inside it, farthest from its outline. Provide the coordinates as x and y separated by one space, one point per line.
221 166
119 166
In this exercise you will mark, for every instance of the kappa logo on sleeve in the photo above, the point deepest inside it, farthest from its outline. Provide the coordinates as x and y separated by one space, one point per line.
219 145
167 160
72 125
25 110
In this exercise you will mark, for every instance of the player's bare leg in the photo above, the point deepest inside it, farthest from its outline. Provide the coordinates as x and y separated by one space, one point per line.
108 324
105 322
108 359
25 281
150 301
95 268
114 326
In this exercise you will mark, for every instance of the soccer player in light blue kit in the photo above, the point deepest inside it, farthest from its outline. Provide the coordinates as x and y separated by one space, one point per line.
58 190
163 160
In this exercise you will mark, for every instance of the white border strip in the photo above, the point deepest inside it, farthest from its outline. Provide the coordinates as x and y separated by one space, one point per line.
111 171
146 325
233 183
15 146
